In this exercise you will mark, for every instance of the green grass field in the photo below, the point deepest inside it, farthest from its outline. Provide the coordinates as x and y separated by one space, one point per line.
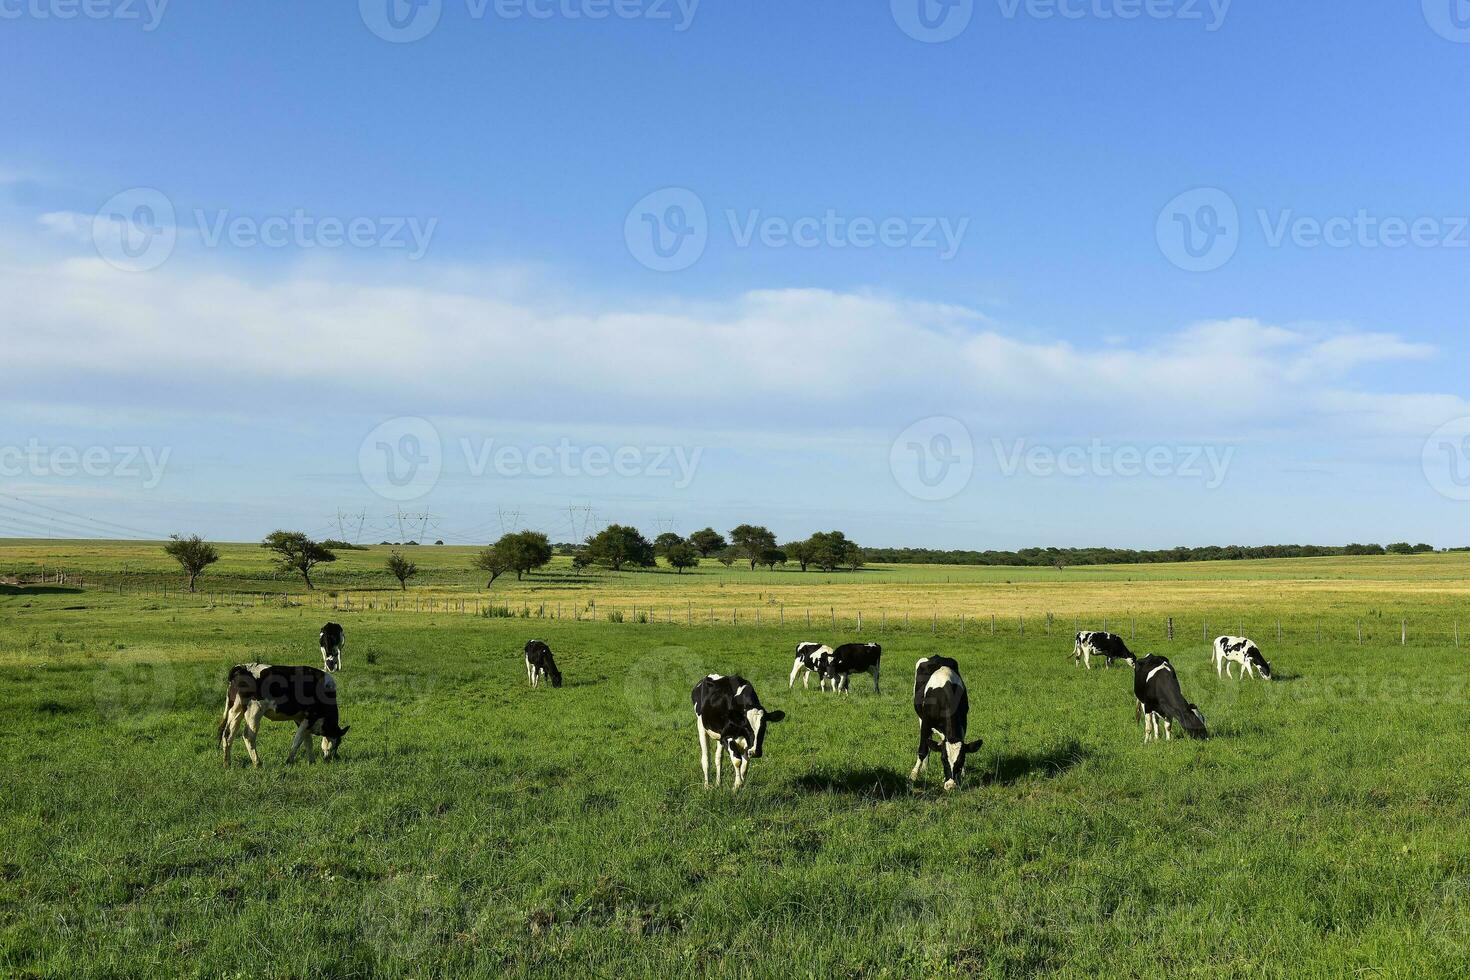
476 828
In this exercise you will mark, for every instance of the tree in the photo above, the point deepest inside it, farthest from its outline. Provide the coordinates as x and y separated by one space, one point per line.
580 561
1400 548
402 569
727 556
295 552
682 555
616 546
830 550
708 541
193 554
665 541
799 552
771 557
492 563
524 551
750 540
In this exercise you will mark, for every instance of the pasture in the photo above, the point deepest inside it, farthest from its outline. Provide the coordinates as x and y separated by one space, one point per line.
476 828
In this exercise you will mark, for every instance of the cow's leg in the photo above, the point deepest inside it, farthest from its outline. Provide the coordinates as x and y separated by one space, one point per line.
1168 729
301 731
703 749
252 730
739 767
923 753
1087 659
228 728
875 679
719 763
795 669
806 680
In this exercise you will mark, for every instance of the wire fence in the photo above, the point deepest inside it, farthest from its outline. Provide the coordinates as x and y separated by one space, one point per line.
1150 630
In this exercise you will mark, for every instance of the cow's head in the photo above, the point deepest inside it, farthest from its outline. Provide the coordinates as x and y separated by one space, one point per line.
332 735
1260 663
758 720
553 673
953 754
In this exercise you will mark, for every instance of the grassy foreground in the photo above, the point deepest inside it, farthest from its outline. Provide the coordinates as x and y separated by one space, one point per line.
475 828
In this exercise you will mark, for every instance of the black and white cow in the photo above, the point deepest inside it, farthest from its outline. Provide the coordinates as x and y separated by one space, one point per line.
303 695
539 664
331 640
1096 643
1239 650
727 712
943 706
1156 688
849 659
811 658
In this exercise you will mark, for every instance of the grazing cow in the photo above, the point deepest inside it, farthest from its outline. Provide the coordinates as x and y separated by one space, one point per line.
539 664
1156 688
943 706
332 639
727 711
852 658
1096 643
303 695
1239 650
811 658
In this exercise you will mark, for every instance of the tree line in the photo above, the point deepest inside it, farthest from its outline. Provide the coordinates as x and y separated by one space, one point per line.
619 547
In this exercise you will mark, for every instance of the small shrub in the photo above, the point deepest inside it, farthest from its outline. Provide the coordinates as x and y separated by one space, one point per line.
616 616
497 612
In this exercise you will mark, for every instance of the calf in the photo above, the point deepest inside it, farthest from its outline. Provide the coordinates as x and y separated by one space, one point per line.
1239 650
331 640
303 695
853 658
1156 688
811 658
1096 643
727 711
943 706
539 664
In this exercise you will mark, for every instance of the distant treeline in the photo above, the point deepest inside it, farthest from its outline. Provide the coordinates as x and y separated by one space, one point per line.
1129 556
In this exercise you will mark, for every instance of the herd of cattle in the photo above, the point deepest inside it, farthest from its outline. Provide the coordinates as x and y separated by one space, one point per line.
727 711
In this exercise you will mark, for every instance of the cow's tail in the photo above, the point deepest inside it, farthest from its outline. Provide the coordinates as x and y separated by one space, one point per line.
1194 723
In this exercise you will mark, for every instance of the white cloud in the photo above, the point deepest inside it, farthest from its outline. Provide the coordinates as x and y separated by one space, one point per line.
774 360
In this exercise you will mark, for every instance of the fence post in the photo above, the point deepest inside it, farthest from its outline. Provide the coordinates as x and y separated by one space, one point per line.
1360 632
1171 629
1403 632
1457 634
1023 626
860 621
992 624
1132 627
934 623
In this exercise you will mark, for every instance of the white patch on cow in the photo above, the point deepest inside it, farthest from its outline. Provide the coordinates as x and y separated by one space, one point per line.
256 669
715 677
943 677
741 689
1156 670
952 753
756 717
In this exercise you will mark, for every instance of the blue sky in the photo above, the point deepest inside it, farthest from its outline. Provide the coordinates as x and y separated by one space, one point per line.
919 263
